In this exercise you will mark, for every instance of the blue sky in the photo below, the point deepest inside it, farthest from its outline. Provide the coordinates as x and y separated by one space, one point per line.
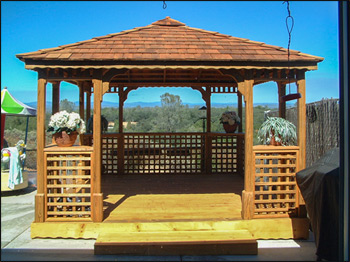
28 26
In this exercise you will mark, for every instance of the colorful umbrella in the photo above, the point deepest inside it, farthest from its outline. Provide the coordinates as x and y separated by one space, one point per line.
10 106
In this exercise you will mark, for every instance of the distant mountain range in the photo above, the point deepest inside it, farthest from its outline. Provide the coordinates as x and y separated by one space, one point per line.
154 104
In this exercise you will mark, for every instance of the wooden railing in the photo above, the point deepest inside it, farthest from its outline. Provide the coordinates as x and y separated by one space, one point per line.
171 153
276 192
68 184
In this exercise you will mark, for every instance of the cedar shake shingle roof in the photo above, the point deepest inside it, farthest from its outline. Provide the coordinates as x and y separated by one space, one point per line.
163 41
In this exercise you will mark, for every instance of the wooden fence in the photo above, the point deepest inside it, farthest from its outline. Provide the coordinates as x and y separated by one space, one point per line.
322 127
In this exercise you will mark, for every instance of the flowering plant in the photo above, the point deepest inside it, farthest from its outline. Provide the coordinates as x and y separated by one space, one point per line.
230 117
68 122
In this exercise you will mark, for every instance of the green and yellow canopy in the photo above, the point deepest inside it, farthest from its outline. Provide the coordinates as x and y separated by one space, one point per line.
11 106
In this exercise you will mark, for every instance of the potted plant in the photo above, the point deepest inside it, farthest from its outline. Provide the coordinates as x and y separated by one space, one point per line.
277 131
230 121
65 127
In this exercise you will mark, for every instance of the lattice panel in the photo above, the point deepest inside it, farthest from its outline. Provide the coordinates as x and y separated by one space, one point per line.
68 186
109 154
224 154
180 153
276 191
163 153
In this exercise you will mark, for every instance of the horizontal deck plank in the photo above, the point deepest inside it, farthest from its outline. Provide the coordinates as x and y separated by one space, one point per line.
177 243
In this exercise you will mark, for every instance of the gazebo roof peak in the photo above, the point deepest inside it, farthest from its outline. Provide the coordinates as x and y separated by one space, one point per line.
167 21
168 40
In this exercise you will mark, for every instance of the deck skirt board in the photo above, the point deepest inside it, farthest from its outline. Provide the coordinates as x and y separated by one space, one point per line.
177 243
266 228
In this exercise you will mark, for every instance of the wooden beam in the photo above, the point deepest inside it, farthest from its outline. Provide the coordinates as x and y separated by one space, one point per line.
172 84
40 136
233 73
107 77
105 87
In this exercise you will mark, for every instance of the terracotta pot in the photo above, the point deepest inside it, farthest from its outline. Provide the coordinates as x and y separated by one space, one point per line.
230 128
274 143
63 139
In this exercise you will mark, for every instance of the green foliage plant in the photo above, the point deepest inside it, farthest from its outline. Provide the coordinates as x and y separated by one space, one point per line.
283 131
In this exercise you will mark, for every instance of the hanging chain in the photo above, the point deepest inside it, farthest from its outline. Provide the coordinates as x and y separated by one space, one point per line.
289 19
164 5
289 29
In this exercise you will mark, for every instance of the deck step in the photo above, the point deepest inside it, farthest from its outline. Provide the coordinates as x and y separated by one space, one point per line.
237 242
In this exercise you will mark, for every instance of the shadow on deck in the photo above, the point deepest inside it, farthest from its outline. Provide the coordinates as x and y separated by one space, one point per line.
160 198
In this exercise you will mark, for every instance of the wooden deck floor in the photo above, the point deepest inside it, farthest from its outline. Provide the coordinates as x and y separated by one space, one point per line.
166 198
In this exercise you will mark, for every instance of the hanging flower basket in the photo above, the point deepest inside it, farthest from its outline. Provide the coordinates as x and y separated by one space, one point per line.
230 121
230 128
62 139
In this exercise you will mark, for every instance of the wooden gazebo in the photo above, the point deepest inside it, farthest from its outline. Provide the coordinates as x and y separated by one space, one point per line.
167 53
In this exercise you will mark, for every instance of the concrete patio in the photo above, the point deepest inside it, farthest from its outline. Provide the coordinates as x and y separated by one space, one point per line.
17 214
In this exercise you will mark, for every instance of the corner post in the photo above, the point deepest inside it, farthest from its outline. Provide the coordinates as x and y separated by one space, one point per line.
97 196
40 136
246 88
301 118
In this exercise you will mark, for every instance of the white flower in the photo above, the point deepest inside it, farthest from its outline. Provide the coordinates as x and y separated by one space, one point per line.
64 121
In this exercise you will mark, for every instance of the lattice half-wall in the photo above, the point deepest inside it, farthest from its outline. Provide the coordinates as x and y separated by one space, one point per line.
163 153
110 154
276 192
225 153
68 186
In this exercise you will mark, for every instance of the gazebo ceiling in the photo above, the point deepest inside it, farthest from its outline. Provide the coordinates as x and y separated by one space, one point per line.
168 44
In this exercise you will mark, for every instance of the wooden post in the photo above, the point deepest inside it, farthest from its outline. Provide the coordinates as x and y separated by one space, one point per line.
81 99
240 159
121 103
40 136
246 88
281 105
97 196
120 154
88 105
55 97
240 111
208 105
302 118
